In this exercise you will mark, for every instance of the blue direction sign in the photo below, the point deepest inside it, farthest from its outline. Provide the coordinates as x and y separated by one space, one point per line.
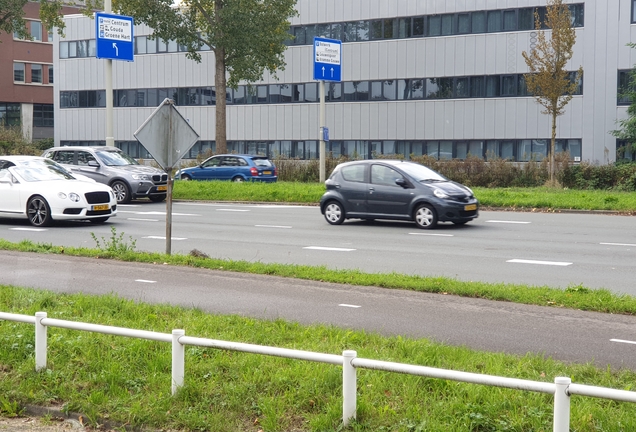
327 59
114 34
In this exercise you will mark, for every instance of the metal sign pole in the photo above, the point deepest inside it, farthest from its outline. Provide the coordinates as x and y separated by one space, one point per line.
169 192
108 75
322 137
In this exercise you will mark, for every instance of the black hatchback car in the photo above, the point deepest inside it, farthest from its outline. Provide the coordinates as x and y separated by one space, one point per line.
398 190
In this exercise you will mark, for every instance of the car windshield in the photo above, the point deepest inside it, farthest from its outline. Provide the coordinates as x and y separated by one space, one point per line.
34 172
421 173
111 158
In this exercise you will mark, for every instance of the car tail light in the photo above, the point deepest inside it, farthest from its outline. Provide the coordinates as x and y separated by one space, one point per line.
254 171
276 172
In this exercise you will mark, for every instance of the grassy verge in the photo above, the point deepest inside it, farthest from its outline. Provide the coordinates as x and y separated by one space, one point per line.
127 381
310 193
575 297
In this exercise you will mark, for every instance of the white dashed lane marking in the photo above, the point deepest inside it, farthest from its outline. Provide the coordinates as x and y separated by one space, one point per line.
232 210
163 238
618 244
28 229
552 263
328 248
145 220
508 222
145 281
273 226
349 305
436 235
623 341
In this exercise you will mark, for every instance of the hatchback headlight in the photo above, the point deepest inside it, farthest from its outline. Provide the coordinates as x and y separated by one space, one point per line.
140 176
440 193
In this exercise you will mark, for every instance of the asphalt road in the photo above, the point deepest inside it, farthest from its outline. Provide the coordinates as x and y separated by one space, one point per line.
568 335
556 250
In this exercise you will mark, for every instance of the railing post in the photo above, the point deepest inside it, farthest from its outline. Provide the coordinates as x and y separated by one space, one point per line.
178 360
349 385
40 342
562 405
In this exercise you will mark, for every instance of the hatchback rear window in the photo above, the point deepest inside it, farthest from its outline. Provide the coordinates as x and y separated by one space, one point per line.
262 162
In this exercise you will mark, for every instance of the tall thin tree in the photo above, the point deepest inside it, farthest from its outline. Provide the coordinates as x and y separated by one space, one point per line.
549 81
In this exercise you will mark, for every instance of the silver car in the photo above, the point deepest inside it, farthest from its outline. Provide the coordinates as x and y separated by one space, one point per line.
109 165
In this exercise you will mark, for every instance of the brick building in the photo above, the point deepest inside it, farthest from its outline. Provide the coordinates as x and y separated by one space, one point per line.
26 78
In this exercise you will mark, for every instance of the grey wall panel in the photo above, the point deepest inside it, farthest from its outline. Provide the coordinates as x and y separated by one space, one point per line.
439 118
483 65
510 116
521 120
458 126
439 62
479 116
490 108
399 120
470 57
423 63
410 119
459 60
429 122
296 121
468 119
450 120
372 122
420 129
449 65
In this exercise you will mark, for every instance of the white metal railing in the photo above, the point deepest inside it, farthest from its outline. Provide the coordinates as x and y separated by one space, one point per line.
562 388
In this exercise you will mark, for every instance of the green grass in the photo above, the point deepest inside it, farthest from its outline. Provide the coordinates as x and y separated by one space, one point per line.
127 381
512 198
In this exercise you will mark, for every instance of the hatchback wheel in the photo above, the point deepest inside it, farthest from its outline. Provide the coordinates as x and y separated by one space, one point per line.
185 177
238 179
122 192
334 213
425 216
39 212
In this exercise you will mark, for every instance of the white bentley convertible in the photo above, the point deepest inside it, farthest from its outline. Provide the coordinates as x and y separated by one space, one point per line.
43 191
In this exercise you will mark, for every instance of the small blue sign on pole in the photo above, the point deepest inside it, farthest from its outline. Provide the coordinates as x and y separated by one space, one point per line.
325 134
114 35
327 59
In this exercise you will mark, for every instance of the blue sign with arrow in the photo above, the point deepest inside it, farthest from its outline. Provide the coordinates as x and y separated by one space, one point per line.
327 59
114 34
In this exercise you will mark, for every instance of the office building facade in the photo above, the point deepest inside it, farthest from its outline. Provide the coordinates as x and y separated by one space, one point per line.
436 77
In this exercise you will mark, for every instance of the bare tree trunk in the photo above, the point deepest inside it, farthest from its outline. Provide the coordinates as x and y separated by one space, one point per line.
552 147
221 90
220 87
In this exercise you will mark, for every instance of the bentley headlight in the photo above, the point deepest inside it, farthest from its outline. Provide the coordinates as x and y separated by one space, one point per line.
140 176
61 195
74 197
440 194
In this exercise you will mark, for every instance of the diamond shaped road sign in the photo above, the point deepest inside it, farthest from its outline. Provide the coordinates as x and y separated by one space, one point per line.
166 135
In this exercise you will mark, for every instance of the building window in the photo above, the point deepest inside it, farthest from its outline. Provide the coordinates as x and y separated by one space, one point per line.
36 73
633 11
43 115
36 30
18 72
50 74
9 114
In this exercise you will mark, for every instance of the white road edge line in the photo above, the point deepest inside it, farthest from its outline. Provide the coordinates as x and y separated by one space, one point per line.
232 210
328 248
618 244
623 341
554 263
349 305
163 238
437 235
28 229
141 219
508 222
273 226
145 281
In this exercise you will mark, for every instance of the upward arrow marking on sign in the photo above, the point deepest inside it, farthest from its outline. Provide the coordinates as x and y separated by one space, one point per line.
116 49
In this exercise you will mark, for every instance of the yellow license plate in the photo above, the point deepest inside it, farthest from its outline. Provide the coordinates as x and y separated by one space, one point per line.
100 207
267 172
470 207
162 188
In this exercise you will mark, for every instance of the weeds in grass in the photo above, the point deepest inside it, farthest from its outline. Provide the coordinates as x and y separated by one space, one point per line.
116 243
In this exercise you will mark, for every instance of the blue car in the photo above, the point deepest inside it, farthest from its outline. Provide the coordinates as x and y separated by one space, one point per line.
232 167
